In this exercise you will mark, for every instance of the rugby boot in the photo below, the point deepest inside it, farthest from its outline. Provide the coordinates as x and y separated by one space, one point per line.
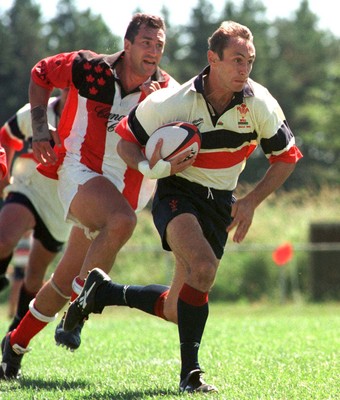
71 339
85 303
194 383
11 359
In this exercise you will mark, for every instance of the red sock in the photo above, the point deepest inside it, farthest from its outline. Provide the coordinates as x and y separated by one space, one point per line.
159 306
77 285
26 330
193 296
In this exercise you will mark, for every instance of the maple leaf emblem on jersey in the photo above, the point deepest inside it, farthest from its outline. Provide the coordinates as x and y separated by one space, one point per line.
90 78
101 81
87 66
98 69
93 91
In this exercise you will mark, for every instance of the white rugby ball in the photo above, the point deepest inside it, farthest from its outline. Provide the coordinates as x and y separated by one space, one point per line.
178 137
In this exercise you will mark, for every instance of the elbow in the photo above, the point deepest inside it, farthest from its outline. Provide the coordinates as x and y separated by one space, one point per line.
121 149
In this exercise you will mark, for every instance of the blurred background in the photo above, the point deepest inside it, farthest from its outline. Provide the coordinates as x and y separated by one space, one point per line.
292 251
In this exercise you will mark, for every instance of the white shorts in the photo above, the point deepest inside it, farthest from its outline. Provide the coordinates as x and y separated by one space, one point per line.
42 193
72 173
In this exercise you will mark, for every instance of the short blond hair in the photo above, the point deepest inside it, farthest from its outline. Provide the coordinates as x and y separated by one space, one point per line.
228 29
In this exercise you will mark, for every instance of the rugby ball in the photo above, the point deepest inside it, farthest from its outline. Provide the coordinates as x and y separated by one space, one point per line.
178 137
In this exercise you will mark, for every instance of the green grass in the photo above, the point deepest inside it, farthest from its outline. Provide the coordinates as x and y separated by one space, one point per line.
257 351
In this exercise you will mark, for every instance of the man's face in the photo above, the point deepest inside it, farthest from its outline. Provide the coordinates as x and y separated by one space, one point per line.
235 67
146 51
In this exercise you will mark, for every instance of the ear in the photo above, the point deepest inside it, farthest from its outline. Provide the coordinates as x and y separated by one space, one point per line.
212 57
127 45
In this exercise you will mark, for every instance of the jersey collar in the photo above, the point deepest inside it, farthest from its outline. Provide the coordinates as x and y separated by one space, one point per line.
197 85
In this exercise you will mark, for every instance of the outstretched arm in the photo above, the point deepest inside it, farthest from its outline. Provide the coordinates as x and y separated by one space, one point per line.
243 210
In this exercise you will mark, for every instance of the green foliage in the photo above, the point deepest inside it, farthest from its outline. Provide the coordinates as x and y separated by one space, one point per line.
68 30
248 352
22 21
74 30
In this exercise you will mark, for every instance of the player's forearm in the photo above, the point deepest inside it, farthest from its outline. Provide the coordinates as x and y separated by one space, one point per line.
274 178
38 95
130 152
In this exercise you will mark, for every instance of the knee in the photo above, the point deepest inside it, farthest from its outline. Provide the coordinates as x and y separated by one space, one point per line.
122 222
203 274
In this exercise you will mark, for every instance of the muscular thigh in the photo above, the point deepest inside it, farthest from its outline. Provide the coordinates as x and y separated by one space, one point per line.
96 201
187 241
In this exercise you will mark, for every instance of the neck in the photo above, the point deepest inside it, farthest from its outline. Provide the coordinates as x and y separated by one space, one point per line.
216 96
129 79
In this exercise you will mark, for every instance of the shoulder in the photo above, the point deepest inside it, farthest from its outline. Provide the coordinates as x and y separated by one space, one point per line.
165 99
256 90
260 97
165 79
165 105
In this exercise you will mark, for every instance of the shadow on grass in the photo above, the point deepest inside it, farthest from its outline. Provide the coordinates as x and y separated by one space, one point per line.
50 384
83 385
130 394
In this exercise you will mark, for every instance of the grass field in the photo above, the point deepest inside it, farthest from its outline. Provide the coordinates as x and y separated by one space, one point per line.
249 352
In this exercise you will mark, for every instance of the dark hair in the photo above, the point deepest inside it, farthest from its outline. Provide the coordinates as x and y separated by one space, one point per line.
220 38
151 21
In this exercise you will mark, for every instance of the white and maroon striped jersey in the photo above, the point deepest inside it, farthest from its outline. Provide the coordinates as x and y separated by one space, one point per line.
252 118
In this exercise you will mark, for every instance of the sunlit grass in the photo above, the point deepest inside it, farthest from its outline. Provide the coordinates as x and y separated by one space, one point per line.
249 351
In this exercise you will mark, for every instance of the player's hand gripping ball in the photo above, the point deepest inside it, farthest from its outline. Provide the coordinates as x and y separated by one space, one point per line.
178 138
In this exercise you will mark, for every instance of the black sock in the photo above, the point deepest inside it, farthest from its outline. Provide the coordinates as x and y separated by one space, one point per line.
193 310
25 298
144 297
141 297
4 263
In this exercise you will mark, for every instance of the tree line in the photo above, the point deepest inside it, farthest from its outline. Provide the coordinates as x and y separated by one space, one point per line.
296 61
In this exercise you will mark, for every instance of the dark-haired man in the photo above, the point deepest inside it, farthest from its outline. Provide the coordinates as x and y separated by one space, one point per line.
99 192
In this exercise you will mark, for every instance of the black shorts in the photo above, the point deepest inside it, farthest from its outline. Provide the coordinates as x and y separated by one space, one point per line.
40 231
211 207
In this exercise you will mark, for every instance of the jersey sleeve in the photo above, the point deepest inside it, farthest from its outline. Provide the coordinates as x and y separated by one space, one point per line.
124 131
7 138
293 155
54 71
276 138
128 129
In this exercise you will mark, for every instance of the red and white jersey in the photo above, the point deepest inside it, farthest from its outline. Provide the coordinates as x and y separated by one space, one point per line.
95 105
252 118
